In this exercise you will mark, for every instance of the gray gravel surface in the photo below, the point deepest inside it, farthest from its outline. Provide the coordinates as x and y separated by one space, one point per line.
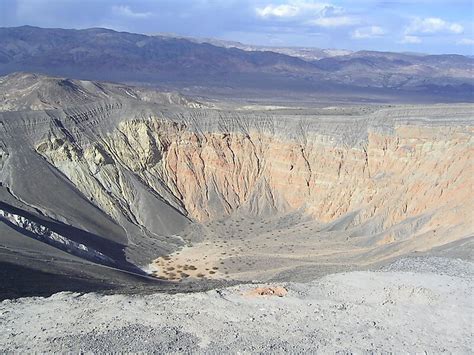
396 310
437 265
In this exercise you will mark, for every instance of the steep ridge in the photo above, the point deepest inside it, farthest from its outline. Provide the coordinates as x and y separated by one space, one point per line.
26 91
395 177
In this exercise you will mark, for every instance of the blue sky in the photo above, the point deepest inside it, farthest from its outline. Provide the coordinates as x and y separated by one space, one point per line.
431 26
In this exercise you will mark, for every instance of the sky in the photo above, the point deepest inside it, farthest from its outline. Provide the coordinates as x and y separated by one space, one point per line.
428 26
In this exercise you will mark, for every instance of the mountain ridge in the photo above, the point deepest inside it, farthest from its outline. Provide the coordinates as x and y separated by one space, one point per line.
108 55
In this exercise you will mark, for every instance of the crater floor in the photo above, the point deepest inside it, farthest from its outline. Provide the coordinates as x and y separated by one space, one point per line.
286 247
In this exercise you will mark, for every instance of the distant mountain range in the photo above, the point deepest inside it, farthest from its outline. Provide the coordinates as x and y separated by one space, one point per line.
307 53
103 54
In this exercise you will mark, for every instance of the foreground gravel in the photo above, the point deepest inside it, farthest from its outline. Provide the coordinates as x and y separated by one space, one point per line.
394 310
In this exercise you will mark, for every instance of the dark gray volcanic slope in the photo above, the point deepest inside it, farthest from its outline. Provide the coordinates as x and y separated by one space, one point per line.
102 54
32 264
52 237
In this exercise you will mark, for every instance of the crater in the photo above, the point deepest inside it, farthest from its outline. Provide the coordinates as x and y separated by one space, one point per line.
214 189
195 191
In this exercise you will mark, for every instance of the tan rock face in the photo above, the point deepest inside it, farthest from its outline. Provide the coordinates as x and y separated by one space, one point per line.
390 182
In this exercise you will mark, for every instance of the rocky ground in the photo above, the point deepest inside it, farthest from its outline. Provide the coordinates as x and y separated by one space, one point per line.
413 305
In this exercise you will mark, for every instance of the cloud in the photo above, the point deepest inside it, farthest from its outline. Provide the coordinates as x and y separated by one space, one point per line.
293 8
123 10
466 42
407 39
278 11
333 16
432 25
368 32
309 13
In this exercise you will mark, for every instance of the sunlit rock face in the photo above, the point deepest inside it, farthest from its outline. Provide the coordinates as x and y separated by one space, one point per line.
391 174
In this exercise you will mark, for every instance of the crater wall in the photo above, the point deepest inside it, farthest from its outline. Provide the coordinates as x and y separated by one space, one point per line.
396 173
